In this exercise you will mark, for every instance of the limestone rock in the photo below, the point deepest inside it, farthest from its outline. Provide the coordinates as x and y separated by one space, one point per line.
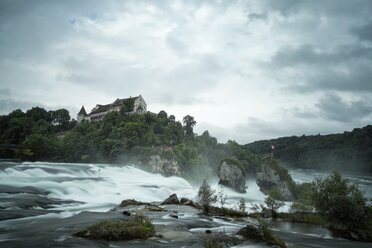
268 178
188 202
232 176
129 202
172 199
166 167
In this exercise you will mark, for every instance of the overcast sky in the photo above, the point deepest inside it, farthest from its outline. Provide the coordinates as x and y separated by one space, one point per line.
246 70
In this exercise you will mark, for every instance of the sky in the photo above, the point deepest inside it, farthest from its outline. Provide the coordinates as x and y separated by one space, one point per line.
246 70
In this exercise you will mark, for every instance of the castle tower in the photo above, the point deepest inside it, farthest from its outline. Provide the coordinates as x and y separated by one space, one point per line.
82 115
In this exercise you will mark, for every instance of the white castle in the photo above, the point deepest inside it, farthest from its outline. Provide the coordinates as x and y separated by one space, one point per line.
100 111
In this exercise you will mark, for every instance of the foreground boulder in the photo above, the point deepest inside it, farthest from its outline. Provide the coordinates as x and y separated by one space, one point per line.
261 234
188 202
138 227
271 176
131 202
232 176
172 199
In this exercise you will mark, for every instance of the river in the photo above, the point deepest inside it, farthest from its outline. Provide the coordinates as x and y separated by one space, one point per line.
42 204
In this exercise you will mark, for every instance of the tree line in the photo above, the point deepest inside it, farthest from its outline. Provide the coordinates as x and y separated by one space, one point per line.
120 137
348 151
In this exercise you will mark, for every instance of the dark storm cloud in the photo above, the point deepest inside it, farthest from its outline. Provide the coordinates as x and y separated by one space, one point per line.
342 68
258 16
309 55
192 55
328 7
357 79
335 108
363 32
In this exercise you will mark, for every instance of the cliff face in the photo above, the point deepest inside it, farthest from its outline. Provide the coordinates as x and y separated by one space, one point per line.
268 178
231 175
166 167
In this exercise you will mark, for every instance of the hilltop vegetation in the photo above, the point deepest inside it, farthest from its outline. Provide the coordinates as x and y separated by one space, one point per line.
53 136
348 151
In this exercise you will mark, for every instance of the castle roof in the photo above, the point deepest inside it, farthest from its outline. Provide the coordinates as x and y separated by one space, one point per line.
118 102
82 111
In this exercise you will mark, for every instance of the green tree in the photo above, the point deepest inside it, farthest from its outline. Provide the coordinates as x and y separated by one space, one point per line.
189 123
61 117
342 205
128 106
37 113
163 115
206 196
242 205
273 202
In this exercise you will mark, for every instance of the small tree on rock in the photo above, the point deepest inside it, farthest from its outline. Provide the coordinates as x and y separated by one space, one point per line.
206 196
273 202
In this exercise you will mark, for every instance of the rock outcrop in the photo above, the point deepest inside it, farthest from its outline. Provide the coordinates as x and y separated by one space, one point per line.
172 199
268 178
251 232
166 167
131 202
257 234
232 176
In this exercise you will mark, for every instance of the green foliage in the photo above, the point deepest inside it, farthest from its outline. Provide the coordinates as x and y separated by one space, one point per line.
264 227
128 106
189 123
140 227
242 157
221 196
273 202
206 196
348 151
120 136
299 207
210 243
342 205
242 205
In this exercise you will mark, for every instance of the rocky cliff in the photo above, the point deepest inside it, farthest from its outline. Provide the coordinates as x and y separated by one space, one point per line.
232 176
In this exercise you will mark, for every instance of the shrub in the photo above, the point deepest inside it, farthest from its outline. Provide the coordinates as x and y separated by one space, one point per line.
273 203
210 243
242 205
206 196
342 205
264 227
221 197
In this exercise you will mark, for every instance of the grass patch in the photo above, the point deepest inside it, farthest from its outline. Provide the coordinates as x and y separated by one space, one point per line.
270 239
140 227
210 243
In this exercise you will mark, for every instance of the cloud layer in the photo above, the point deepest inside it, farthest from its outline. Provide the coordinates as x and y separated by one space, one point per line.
246 70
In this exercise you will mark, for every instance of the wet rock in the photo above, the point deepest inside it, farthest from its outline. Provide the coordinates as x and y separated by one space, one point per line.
188 202
268 178
155 208
208 231
174 216
254 233
251 232
232 176
172 199
131 202
126 213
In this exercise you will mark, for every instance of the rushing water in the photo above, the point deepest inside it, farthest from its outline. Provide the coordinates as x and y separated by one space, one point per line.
35 197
